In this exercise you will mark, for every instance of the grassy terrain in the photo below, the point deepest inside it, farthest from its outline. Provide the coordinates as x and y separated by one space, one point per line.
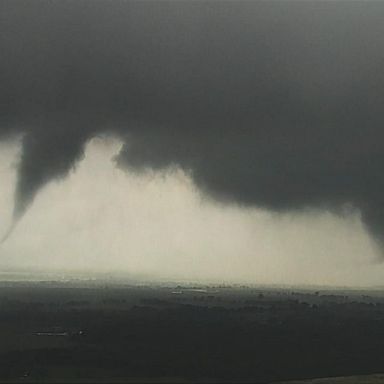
78 332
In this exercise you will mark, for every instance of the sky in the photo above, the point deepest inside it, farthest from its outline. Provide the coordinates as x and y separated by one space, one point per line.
226 141
101 219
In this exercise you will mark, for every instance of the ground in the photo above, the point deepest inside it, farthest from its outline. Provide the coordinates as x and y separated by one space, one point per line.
87 331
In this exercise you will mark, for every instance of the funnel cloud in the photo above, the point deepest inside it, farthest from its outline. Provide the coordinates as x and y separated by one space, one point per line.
270 104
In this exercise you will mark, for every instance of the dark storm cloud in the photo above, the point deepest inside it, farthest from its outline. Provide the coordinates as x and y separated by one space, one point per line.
276 104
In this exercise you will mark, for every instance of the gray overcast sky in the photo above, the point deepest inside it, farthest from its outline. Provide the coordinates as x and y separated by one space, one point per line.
265 117
102 219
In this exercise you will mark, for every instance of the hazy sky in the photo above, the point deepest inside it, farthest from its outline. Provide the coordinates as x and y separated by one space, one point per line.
246 138
101 218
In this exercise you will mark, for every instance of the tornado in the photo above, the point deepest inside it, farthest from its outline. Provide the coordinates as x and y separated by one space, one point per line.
268 104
